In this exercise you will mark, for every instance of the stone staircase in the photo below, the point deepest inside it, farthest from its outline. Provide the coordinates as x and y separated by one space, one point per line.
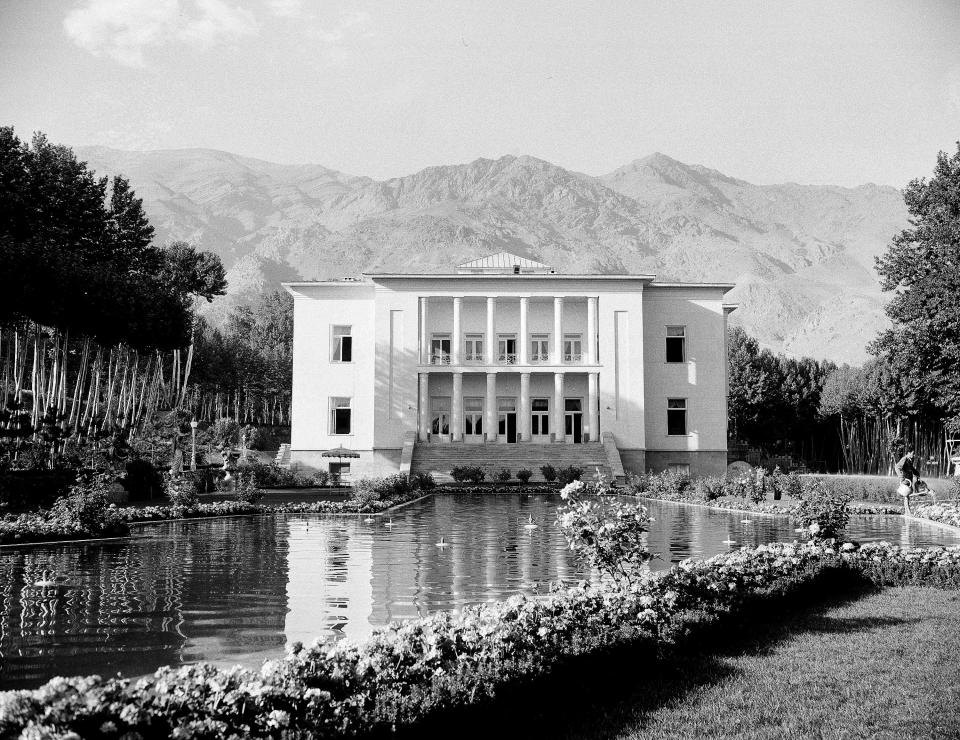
440 458
283 456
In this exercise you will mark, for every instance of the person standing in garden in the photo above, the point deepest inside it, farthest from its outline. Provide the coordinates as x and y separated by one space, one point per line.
905 469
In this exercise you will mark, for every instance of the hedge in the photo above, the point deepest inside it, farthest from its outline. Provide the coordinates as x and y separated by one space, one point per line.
406 673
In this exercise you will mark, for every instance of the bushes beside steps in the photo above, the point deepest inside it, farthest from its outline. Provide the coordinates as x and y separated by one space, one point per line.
408 673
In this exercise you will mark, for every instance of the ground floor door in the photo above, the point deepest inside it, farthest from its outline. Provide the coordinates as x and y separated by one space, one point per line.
507 415
573 419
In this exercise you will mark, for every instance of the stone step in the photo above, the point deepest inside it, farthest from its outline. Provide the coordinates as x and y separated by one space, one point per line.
440 458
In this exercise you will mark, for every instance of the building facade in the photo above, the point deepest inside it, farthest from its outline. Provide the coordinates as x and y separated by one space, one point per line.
507 352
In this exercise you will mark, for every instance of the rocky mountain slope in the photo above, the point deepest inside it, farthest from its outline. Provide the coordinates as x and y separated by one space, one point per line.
802 256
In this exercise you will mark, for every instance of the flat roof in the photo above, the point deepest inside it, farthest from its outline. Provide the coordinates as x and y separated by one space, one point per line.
498 276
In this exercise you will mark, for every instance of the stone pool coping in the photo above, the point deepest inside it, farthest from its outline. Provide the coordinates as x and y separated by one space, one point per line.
948 527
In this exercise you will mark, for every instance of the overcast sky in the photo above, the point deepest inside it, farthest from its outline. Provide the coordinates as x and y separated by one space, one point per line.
817 92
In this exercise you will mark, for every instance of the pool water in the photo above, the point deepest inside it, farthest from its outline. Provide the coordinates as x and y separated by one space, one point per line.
238 590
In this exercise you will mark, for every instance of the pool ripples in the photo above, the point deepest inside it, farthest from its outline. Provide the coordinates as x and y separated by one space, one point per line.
239 590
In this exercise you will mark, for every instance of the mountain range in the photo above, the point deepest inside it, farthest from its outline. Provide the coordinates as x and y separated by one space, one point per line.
802 256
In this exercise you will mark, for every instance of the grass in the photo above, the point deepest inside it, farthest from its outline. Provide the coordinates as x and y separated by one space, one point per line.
886 665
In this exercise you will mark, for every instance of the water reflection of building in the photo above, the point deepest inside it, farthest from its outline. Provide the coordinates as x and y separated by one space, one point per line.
211 589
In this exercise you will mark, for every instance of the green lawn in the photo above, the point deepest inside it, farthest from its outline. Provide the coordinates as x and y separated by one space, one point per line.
886 665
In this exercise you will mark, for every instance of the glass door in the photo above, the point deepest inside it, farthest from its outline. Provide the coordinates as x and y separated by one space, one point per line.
573 419
473 417
440 415
540 417
507 419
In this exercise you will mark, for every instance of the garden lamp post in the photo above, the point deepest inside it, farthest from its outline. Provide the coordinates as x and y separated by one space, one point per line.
193 445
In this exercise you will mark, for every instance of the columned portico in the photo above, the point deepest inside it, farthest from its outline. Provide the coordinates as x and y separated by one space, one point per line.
556 355
491 337
524 343
457 343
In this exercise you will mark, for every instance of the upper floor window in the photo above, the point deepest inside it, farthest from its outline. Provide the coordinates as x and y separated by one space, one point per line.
676 344
473 348
440 349
507 349
341 344
572 348
540 348
677 416
339 415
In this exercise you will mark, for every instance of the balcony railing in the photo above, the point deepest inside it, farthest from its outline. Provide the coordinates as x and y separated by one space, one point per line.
473 357
507 359
574 358
538 359
441 359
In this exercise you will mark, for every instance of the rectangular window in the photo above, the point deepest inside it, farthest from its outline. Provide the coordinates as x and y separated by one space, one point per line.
540 418
339 416
540 348
507 349
341 344
473 416
474 348
440 349
676 416
572 348
676 341
440 414
681 468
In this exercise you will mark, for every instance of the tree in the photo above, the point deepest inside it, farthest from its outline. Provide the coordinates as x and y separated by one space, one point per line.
922 266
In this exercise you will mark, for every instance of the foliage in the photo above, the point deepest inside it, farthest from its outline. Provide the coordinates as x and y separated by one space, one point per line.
273 476
423 481
823 514
569 474
181 490
549 473
922 268
77 253
247 490
142 480
524 475
945 513
503 475
604 529
370 490
84 512
225 433
409 671
471 473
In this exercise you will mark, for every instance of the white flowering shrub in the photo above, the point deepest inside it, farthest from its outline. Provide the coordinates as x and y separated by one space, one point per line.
605 530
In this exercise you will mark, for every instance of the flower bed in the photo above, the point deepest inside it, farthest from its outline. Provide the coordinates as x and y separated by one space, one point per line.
945 513
538 488
875 488
892 565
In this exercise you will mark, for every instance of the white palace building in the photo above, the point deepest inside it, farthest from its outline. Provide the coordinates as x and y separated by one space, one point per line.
507 364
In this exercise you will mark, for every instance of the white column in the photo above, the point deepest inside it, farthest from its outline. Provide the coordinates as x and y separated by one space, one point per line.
593 407
490 423
524 339
592 331
525 407
423 419
558 407
456 340
456 422
491 335
557 331
424 336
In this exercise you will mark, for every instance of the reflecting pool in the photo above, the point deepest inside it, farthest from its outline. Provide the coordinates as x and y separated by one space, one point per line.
238 590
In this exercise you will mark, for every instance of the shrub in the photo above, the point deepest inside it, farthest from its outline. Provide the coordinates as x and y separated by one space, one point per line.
604 530
181 491
86 506
247 489
708 488
569 474
824 514
668 484
321 478
549 473
476 474
225 432
524 475
369 490
424 481
273 476
460 473
503 475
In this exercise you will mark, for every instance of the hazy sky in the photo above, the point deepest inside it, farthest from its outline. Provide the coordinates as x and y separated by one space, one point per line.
820 92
